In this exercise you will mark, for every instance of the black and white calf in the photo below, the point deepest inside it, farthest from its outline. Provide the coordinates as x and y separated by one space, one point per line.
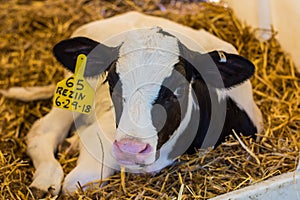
162 90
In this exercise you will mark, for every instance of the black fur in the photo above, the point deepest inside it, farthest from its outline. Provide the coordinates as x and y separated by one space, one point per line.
115 88
99 56
174 106
218 74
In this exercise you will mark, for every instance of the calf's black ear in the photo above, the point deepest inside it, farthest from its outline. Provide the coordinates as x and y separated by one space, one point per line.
99 56
234 69
217 68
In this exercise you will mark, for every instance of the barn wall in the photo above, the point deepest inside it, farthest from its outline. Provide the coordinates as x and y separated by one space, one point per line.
283 15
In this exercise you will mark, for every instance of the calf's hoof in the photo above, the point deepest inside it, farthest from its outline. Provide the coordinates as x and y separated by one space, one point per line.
41 194
47 179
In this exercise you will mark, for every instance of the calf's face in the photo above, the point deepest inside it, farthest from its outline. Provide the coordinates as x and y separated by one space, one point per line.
150 76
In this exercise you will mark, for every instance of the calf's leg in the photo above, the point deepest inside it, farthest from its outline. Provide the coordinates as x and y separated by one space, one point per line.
42 140
95 160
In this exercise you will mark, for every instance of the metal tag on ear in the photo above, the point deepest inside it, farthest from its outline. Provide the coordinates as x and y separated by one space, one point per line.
222 56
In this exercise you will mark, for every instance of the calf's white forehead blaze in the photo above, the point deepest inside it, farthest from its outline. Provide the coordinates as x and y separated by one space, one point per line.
147 58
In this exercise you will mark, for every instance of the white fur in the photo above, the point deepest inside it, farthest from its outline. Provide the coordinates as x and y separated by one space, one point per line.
49 131
29 93
42 141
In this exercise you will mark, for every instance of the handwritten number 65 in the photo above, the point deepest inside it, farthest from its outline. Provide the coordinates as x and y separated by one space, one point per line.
70 83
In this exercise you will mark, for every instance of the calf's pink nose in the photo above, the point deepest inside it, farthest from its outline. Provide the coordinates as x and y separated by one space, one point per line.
131 146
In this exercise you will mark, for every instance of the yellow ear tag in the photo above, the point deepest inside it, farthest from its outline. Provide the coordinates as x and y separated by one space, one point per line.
74 93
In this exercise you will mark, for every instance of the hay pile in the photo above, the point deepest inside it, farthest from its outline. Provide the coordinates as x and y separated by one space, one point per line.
29 29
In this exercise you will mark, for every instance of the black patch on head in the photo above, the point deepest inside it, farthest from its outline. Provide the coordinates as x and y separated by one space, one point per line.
174 104
115 89
170 103
205 98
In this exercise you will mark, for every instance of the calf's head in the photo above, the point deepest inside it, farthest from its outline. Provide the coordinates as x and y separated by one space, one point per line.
151 76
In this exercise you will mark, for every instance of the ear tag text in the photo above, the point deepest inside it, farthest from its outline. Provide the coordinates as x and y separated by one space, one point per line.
75 93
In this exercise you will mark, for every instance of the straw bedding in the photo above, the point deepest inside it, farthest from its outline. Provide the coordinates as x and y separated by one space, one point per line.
28 31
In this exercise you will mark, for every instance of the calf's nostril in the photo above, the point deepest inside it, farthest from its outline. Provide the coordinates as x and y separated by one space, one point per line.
147 149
